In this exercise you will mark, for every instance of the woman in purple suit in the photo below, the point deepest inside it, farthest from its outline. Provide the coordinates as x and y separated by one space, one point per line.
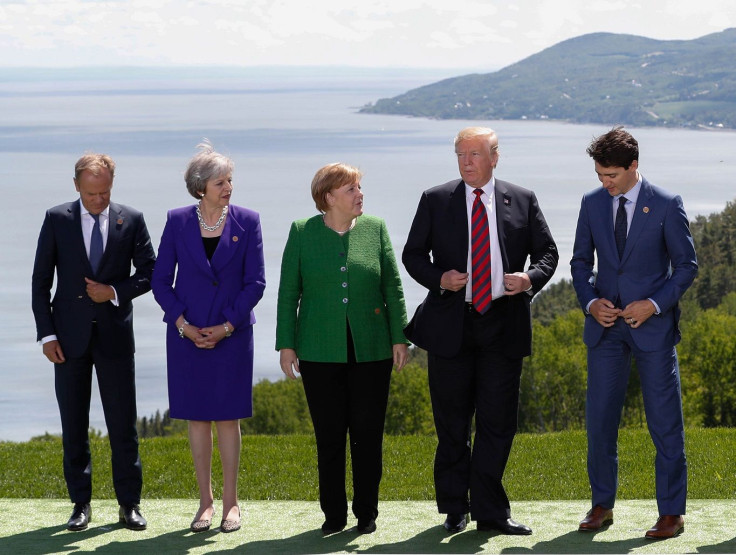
208 278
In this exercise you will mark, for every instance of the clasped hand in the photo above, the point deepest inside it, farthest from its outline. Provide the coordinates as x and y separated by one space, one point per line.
204 338
634 315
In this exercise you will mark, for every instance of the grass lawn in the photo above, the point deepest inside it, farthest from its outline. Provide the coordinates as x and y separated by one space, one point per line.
36 526
546 481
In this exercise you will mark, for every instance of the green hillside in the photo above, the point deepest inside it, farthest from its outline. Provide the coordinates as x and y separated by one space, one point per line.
595 78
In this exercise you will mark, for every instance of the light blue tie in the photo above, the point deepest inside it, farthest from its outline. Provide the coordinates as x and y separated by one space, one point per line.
95 244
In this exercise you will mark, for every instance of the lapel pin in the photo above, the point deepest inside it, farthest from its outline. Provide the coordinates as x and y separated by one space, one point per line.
235 238
120 221
645 210
506 201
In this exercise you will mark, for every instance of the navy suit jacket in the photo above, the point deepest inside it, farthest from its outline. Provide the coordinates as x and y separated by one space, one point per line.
658 263
70 314
440 228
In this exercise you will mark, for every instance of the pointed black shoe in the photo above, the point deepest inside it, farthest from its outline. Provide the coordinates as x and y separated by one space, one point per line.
366 525
456 522
81 516
333 527
131 516
505 526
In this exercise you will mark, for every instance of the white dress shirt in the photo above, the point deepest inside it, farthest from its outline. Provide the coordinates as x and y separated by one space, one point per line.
488 198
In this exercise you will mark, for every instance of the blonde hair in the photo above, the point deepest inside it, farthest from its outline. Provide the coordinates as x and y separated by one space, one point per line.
331 177
93 163
473 132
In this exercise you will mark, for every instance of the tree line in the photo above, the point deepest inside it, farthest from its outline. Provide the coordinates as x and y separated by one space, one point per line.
553 379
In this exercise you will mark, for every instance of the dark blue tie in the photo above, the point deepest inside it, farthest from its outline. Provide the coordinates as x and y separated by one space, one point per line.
95 244
620 229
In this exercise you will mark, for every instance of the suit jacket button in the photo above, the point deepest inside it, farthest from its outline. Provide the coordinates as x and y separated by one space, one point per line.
345 300
344 284
214 283
620 272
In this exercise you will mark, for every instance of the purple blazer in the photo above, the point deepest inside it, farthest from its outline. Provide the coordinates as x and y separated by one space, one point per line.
211 384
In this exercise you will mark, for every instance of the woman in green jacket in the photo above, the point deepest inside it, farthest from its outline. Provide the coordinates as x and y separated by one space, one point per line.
340 322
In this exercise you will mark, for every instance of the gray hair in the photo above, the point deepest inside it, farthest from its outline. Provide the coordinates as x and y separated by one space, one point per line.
205 165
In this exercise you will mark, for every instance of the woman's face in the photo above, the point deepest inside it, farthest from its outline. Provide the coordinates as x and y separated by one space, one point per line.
346 201
218 190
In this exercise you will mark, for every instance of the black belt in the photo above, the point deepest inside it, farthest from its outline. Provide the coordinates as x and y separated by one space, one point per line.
495 303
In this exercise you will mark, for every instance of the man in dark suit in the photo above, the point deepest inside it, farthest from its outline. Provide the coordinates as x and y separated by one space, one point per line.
89 244
640 236
468 245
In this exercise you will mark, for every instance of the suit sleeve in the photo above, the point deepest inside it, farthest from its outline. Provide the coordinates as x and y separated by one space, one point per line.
290 292
162 281
143 261
583 260
415 255
42 279
254 278
681 251
392 290
543 255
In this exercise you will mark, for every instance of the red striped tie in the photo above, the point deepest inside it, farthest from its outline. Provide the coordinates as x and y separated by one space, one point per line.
481 255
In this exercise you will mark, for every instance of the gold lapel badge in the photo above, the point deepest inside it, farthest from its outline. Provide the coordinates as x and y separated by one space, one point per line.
235 238
645 210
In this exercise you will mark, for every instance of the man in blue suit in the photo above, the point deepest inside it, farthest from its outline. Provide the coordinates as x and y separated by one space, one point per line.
646 260
90 244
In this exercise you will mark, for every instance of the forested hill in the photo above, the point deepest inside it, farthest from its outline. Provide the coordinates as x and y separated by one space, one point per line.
595 78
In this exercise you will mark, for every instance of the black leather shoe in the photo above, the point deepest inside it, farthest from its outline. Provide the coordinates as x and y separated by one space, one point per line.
81 516
456 522
131 516
366 525
332 527
507 526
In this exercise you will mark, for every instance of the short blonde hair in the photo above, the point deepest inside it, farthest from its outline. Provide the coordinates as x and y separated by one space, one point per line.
93 163
473 132
331 177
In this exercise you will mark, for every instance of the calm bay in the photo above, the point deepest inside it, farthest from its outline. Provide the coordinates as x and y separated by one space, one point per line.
279 126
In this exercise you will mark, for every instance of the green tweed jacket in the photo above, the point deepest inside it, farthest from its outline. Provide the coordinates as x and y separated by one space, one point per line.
328 280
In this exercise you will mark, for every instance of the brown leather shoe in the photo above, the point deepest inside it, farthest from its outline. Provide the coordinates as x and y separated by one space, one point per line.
668 526
597 518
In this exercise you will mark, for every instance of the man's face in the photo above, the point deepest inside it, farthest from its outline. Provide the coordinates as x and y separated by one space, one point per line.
617 180
476 158
94 190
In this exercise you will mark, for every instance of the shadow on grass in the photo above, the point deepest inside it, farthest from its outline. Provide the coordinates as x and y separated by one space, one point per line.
578 542
428 541
56 539
729 546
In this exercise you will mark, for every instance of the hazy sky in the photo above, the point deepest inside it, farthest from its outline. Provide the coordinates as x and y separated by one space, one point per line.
381 33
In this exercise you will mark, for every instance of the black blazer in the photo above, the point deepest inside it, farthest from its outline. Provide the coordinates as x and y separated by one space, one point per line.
70 314
440 228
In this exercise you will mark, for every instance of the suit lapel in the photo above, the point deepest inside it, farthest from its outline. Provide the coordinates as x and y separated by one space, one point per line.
193 242
232 233
459 220
603 212
115 222
502 206
642 210
75 218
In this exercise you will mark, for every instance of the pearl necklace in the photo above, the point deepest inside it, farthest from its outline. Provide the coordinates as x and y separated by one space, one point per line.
217 224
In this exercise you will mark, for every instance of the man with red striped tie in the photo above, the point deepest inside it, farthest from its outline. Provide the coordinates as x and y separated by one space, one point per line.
468 245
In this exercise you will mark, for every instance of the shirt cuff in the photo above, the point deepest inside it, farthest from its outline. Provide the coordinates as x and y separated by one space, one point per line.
47 339
657 311
115 301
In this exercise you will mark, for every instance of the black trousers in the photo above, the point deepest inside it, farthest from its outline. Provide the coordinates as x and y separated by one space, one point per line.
484 382
116 379
348 398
